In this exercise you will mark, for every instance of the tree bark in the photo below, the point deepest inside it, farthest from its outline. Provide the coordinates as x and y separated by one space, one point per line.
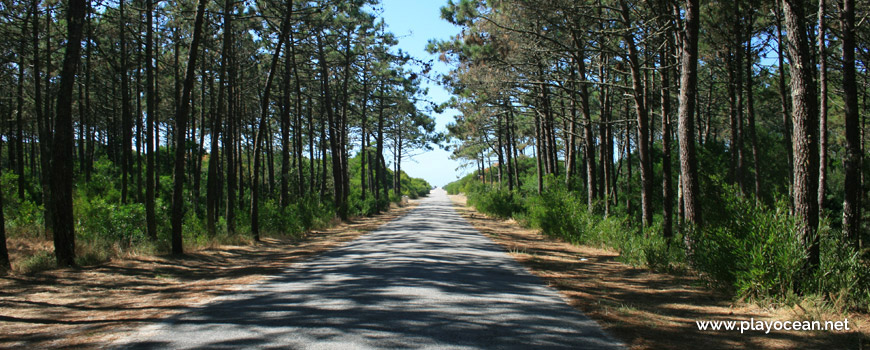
786 118
823 107
853 153
4 253
262 128
150 215
667 186
805 113
181 116
126 118
43 124
63 143
688 90
646 175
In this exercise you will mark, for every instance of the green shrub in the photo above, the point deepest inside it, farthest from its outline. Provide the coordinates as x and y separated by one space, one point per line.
279 220
843 275
495 201
100 220
754 252
41 261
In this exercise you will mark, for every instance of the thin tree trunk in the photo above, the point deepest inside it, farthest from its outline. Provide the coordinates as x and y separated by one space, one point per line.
4 253
750 112
19 123
212 182
230 133
42 124
181 116
667 192
284 190
380 178
786 118
853 153
642 122
126 118
150 215
538 154
823 107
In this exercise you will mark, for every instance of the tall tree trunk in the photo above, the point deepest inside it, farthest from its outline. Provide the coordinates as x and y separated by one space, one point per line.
628 173
139 115
588 136
783 96
805 113
852 163
151 101
298 118
646 176
606 132
380 178
823 107
284 189
42 124
750 115
181 116
688 90
364 120
334 136
262 127
126 118
212 183
63 143
230 133
538 154
4 253
19 123
667 187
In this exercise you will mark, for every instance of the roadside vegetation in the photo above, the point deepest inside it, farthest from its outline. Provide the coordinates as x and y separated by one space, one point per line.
746 251
153 127
717 138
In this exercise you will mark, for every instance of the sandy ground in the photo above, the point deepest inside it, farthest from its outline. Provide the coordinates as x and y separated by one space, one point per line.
649 310
91 307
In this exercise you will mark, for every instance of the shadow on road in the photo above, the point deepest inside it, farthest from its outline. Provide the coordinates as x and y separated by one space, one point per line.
425 280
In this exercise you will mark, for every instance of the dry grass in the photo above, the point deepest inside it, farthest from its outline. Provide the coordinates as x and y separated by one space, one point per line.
90 307
649 310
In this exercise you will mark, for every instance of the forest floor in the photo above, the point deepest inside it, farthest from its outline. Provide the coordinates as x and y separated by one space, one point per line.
91 307
652 310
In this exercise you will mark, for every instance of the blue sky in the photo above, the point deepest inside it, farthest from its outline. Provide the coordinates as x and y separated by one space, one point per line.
414 22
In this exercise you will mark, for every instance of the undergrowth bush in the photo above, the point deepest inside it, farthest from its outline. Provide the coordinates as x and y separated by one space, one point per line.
41 261
754 252
495 201
745 248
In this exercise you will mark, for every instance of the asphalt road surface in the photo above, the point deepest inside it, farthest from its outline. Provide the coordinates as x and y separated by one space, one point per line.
427 280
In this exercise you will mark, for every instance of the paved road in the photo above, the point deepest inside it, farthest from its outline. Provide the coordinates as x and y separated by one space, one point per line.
427 280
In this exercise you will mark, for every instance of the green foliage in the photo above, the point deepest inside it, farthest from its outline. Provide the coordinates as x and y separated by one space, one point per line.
746 248
297 217
24 217
100 219
41 261
494 201
414 187
749 248
843 275
561 213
